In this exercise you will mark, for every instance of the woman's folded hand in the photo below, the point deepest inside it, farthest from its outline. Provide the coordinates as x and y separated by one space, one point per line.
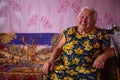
48 66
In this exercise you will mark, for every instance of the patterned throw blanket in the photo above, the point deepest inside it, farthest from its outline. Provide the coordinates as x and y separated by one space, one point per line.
23 54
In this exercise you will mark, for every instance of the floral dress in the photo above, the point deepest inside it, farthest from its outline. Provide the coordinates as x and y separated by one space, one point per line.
78 55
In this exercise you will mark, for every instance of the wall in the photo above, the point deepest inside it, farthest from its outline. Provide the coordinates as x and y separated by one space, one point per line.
48 16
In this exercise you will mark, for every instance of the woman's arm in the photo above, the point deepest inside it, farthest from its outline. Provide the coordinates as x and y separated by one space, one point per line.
99 62
54 55
58 49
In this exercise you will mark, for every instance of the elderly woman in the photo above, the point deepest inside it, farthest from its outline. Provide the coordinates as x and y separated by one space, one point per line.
83 50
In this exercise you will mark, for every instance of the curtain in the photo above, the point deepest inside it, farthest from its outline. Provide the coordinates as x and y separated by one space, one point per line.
53 16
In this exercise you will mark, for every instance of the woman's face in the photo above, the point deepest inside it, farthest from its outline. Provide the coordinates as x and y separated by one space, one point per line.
86 20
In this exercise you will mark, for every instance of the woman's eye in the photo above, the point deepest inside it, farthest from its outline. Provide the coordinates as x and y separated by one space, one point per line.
89 17
81 16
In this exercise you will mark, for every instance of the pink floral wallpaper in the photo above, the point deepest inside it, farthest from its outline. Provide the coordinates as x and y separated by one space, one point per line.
53 16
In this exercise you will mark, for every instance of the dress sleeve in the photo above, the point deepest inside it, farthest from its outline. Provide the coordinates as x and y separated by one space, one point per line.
65 32
105 40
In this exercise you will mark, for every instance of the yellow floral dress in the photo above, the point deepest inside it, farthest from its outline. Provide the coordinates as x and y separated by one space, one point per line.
78 56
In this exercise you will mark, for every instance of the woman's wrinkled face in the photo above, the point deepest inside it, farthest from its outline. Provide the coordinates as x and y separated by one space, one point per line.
86 20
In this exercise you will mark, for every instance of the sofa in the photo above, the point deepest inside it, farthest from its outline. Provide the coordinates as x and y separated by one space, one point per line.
23 54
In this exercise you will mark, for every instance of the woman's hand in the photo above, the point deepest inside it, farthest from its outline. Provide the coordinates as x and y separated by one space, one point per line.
48 66
99 62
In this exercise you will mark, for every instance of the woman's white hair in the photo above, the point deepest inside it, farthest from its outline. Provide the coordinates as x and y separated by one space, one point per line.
92 10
